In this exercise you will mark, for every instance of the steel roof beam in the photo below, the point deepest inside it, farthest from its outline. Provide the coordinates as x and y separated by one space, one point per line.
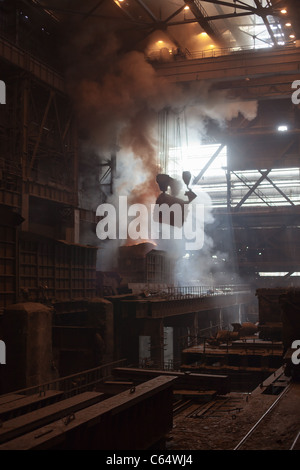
203 20
262 12
147 10
211 160
235 6
175 13
91 11
234 29
210 18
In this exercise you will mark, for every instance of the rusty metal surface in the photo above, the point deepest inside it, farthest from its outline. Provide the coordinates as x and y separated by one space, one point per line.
26 423
160 308
191 381
72 384
23 404
24 60
258 64
55 270
10 398
269 307
134 419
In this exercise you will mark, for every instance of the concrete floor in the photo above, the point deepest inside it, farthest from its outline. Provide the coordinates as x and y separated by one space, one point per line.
226 423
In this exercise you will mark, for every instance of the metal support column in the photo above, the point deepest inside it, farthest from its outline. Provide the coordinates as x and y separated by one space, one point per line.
240 313
25 86
157 344
221 318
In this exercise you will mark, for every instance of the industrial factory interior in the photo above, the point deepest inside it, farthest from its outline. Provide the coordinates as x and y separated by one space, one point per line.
150 227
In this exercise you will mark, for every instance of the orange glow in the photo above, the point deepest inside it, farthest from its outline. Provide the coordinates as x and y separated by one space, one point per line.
283 11
130 242
186 7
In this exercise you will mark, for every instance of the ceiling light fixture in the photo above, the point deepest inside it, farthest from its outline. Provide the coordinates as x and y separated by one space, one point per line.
282 128
186 7
283 11
292 36
288 25
271 274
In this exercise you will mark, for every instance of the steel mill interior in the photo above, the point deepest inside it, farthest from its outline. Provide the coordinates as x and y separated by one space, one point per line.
150 226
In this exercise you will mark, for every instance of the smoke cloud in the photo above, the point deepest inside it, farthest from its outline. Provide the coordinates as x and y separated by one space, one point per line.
117 97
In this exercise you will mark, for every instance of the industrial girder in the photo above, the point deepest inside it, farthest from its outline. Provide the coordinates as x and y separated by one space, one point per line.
264 174
203 20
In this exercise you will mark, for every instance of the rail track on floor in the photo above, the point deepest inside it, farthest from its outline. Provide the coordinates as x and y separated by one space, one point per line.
266 424
209 409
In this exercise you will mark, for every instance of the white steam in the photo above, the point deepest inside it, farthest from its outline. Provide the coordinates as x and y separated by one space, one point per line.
117 98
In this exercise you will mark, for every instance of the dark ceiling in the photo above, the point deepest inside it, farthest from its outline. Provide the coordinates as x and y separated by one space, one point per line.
228 23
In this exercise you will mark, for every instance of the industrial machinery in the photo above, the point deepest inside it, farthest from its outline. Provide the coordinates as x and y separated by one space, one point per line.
165 182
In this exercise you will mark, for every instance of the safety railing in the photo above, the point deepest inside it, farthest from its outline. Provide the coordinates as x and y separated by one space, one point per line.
26 60
169 365
188 341
161 55
71 385
184 292
250 346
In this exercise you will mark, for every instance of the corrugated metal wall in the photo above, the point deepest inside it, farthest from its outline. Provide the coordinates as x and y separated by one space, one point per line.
53 270
34 268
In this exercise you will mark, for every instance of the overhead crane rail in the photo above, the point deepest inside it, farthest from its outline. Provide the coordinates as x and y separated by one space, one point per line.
159 55
184 292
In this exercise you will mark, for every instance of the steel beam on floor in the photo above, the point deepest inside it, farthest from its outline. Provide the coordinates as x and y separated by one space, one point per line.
217 382
22 424
133 420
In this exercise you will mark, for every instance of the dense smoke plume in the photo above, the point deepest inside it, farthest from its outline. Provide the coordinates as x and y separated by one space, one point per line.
117 97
